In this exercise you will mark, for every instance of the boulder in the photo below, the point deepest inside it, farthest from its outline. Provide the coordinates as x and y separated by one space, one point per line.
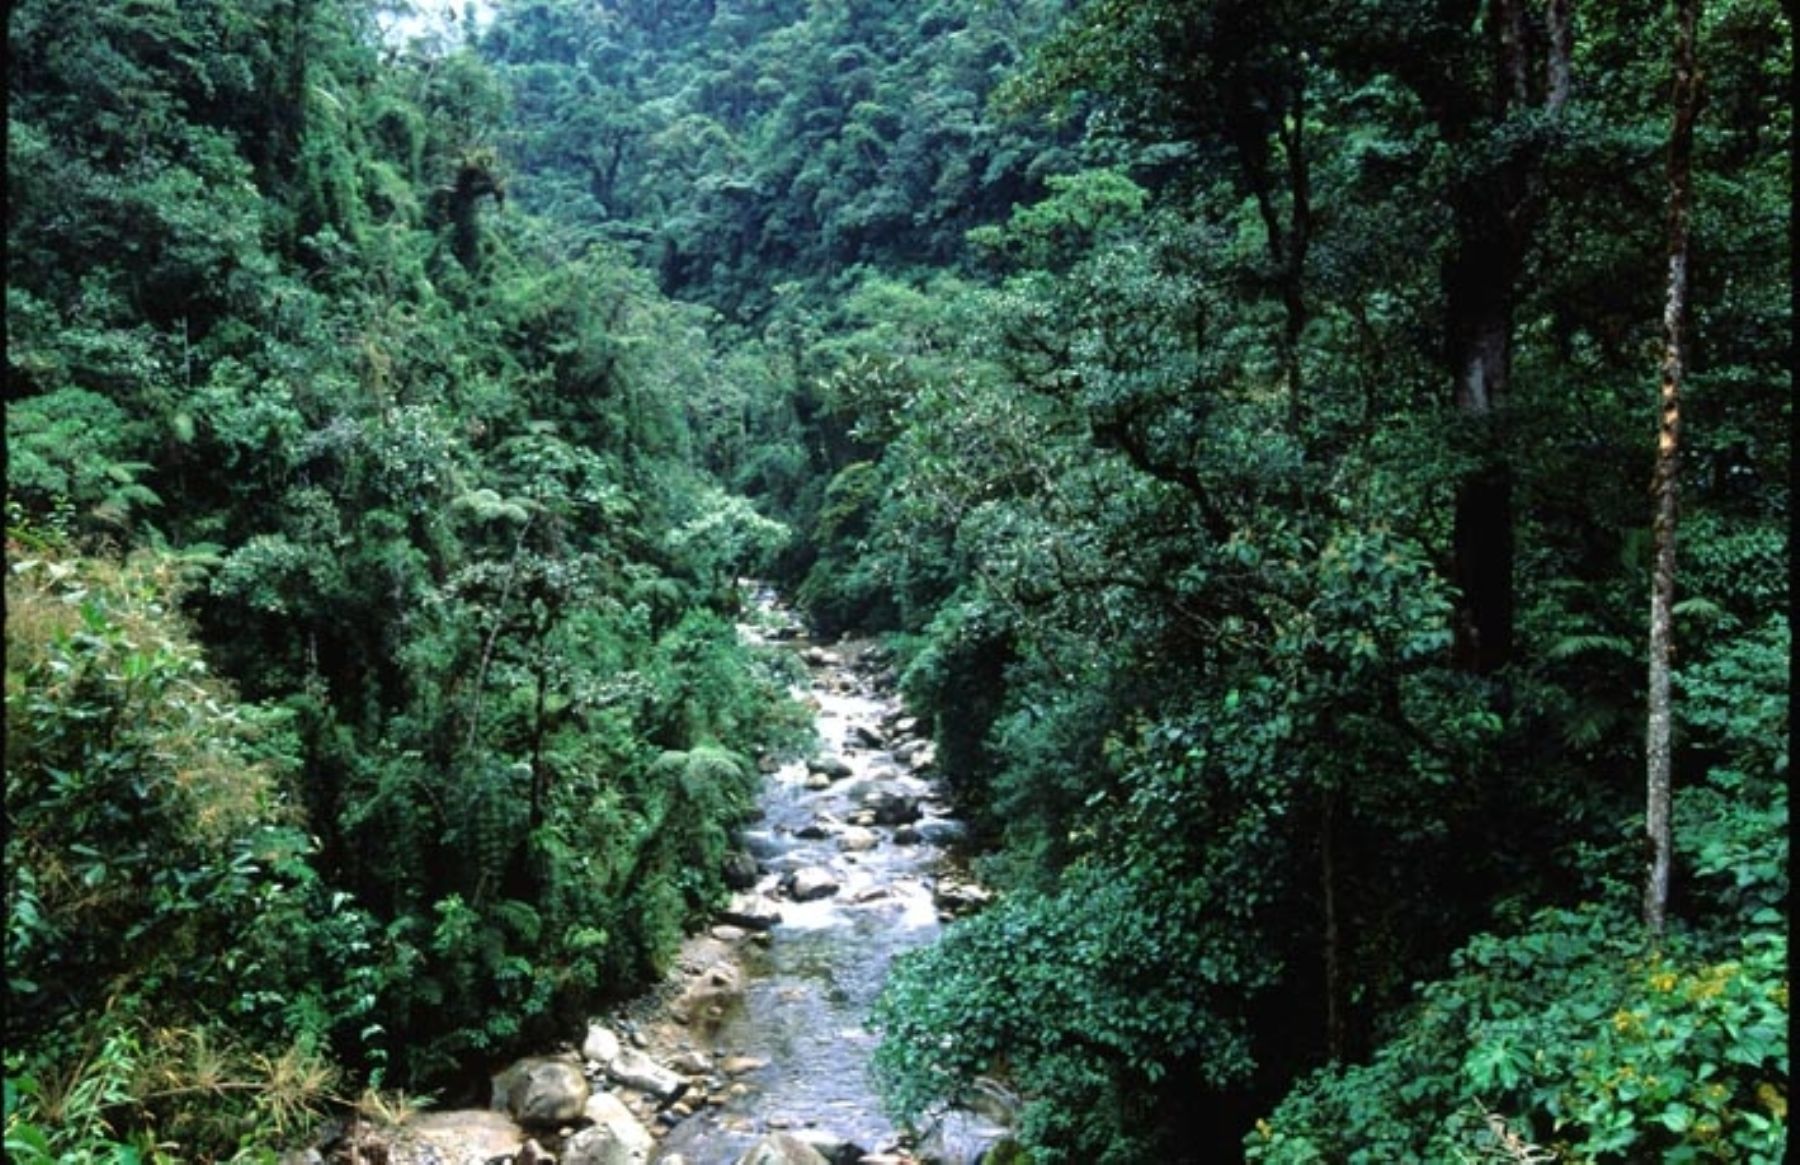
782 1149
892 808
918 754
635 1070
856 838
738 1065
834 768
691 1063
761 843
601 1045
457 1136
942 830
750 911
616 1137
819 657
863 736
740 870
812 883
816 782
956 897
834 1148
907 835
542 1090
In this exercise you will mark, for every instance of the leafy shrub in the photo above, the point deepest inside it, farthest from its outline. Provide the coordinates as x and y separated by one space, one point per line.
1069 997
1577 1039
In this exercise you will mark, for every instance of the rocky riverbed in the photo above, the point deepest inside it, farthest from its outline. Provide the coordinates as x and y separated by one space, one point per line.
753 1051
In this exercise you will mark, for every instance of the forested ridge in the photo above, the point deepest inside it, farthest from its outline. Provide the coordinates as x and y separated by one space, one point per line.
1235 417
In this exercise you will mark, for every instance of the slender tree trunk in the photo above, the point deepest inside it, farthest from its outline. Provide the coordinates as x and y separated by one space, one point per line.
1479 305
1334 1010
1665 484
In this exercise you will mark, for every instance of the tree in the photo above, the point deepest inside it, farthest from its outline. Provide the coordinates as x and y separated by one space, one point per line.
1666 484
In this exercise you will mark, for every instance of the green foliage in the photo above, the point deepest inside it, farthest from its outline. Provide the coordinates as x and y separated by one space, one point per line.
1578 1042
1069 997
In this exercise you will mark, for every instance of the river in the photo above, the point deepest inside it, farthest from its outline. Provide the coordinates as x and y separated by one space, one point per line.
808 989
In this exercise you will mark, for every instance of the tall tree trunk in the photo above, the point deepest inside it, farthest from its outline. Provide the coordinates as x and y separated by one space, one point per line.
1496 214
1334 961
1665 484
1478 292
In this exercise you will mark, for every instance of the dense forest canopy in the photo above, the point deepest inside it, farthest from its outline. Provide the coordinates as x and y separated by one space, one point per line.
1236 416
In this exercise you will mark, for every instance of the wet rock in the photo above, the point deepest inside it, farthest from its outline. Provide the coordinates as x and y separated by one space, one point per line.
728 934
816 782
601 1045
812 883
750 911
634 1069
863 736
838 1150
942 830
819 657
542 1090
738 1065
917 753
905 725
907 835
761 843
892 808
740 870
857 838
712 993
435 1137
691 1063
782 1149
532 1153
834 768
816 830
956 897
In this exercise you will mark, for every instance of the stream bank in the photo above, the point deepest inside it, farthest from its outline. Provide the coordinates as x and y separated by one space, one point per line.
753 1050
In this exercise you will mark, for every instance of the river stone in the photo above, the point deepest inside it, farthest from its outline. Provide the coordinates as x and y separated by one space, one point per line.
941 830
816 782
456 1137
740 871
812 883
906 835
893 808
542 1090
834 768
601 1045
635 1070
616 1138
836 1149
761 843
863 736
856 838
728 934
691 1063
960 897
750 911
782 1149
738 1065
708 997
819 657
